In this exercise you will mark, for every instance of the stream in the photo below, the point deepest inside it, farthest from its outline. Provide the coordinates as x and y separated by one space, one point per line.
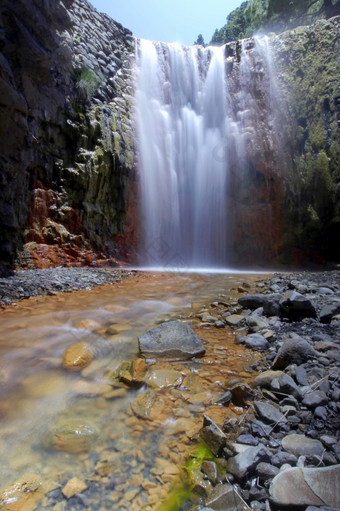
61 424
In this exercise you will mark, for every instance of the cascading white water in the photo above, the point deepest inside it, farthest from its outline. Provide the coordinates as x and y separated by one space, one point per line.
181 120
199 116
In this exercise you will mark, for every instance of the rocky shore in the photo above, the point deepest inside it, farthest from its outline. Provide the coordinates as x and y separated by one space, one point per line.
23 284
284 451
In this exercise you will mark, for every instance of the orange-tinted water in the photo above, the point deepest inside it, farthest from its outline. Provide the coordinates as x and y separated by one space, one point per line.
130 461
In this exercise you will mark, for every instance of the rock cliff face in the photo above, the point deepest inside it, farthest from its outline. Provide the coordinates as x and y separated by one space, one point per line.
66 164
284 193
67 154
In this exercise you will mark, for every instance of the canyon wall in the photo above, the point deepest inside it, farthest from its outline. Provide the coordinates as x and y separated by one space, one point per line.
67 147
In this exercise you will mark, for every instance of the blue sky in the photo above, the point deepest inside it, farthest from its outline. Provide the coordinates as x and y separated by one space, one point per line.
169 20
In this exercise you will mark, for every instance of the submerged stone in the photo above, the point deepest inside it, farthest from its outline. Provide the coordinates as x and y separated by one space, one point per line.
172 340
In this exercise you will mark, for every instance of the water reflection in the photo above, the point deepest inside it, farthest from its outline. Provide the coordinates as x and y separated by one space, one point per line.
115 451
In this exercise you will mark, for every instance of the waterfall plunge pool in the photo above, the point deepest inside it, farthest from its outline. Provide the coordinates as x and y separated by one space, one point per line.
59 424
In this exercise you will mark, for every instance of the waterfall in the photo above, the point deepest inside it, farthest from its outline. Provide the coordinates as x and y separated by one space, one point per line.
193 131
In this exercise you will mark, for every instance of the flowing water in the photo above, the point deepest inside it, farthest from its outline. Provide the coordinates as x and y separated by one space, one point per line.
205 117
126 461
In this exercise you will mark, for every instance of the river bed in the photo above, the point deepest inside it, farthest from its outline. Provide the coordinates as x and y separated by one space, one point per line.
125 460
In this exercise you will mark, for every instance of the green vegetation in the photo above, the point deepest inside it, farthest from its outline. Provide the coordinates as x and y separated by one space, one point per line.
87 83
200 40
272 15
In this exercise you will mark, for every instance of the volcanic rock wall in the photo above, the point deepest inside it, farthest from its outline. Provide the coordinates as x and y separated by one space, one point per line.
66 148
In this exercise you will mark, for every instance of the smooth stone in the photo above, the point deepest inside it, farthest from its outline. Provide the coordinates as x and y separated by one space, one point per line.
251 301
307 486
209 468
73 436
321 413
172 340
257 342
77 356
269 413
301 375
315 398
328 312
288 385
22 493
164 378
147 405
264 379
234 319
247 439
246 461
300 445
256 323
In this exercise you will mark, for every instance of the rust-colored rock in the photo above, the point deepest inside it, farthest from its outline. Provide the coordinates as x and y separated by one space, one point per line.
77 356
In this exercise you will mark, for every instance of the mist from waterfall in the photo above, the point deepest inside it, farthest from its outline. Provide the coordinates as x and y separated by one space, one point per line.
193 131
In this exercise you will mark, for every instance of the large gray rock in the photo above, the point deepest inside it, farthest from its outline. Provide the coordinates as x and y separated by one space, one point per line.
246 461
295 306
251 301
271 304
172 340
328 311
294 350
300 445
307 486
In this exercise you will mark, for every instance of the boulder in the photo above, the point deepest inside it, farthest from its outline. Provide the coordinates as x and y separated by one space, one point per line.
294 350
251 301
296 306
307 486
271 304
328 312
171 340
300 445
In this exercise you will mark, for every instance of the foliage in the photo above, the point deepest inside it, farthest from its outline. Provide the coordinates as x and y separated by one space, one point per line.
200 40
272 15
87 83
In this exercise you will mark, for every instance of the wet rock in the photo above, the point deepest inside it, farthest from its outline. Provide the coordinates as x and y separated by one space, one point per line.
300 445
224 398
213 436
209 468
148 405
164 378
172 340
245 462
269 413
315 398
294 350
257 342
73 436
23 494
132 373
251 301
224 497
295 306
77 356
307 486
73 487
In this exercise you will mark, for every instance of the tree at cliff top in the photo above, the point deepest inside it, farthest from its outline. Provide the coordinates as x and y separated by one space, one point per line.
272 15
